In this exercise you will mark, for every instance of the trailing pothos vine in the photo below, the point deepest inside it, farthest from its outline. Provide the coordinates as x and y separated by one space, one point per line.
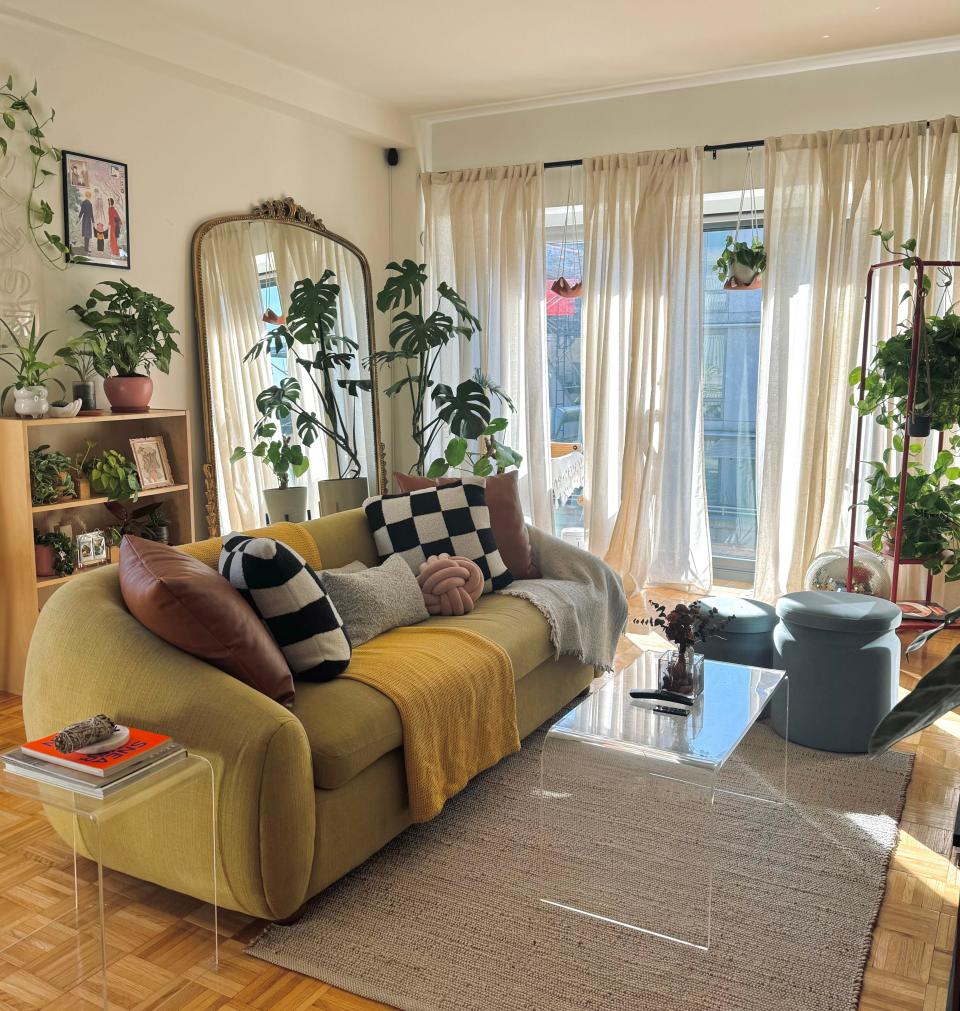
19 113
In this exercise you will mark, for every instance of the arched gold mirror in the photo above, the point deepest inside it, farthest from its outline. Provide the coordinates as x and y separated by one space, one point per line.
284 331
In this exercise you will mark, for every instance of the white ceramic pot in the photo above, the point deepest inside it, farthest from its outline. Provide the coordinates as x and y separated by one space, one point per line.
338 494
286 504
743 275
69 411
31 401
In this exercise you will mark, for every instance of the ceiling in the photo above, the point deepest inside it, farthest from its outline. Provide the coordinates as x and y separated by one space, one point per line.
430 55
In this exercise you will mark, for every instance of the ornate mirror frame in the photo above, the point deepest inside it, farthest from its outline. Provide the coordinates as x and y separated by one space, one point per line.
285 210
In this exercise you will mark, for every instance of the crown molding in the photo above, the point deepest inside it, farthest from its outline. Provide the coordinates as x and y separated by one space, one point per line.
828 61
148 39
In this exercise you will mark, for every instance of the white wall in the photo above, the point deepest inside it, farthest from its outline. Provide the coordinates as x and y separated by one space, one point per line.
193 152
923 87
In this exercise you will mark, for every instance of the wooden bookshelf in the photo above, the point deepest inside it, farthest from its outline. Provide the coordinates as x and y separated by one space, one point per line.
24 592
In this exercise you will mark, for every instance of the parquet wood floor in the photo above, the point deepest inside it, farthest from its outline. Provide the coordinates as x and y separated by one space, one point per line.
160 955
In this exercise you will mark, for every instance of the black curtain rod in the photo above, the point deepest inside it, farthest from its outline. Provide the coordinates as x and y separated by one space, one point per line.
712 148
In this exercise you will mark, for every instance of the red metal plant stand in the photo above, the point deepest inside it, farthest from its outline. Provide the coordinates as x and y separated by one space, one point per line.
919 321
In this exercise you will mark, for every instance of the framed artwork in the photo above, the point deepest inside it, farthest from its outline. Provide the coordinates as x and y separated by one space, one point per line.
96 209
91 548
150 459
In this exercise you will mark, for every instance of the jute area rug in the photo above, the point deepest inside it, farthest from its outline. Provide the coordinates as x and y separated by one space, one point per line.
448 917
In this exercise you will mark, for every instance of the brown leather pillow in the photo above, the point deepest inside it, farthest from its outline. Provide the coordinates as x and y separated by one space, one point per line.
506 518
191 606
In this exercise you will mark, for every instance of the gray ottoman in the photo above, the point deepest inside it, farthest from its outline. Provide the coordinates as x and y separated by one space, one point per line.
748 639
842 655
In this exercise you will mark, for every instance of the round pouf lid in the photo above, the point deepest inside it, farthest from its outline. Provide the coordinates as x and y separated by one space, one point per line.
838 611
748 615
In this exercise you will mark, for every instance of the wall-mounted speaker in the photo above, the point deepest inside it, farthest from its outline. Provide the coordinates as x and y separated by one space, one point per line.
393 156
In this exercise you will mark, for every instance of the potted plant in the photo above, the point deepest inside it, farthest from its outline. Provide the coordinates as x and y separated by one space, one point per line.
53 553
309 335
78 356
885 385
681 670
115 537
741 262
931 509
50 479
149 522
81 470
282 457
23 357
131 334
417 340
113 475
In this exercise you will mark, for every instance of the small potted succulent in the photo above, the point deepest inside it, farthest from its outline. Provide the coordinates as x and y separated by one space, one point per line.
128 336
53 552
741 263
685 625
50 479
23 357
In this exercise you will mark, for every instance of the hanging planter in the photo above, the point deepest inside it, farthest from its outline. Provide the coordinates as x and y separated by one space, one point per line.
741 263
563 287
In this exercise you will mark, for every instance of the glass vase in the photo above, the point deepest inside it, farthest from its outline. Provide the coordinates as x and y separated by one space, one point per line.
682 672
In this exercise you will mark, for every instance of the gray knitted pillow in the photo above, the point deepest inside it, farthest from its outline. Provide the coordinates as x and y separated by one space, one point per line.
375 600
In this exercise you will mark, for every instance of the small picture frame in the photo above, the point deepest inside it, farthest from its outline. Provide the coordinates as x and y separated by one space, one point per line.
96 210
150 459
91 549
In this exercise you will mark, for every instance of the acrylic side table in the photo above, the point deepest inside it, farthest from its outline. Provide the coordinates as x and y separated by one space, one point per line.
628 797
90 819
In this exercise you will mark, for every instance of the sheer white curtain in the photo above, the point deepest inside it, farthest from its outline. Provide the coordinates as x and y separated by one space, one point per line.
233 311
646 507
825 193
484 234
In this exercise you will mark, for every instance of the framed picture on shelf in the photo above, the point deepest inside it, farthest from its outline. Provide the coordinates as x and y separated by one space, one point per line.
150 459
91 548
96 210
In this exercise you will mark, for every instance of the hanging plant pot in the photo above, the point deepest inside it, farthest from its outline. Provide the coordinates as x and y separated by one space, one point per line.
918 425
567 289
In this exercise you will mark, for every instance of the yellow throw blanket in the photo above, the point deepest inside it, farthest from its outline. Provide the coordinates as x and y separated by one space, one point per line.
291 534
457 700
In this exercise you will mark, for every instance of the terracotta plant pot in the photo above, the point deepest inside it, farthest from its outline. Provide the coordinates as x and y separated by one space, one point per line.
128 394
43 554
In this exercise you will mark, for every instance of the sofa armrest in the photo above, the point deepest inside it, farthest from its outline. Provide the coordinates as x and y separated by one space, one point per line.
90 655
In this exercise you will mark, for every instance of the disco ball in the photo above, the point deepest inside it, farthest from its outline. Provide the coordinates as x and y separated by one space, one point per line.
828 571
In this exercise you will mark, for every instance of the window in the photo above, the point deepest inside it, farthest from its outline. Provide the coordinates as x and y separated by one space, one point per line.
270 300
731 350
564 375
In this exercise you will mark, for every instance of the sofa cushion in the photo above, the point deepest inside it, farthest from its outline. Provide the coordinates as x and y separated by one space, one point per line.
452 519
506 517
194 608
288 595
350 725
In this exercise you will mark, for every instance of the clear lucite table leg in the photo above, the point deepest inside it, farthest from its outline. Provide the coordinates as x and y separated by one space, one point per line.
87 834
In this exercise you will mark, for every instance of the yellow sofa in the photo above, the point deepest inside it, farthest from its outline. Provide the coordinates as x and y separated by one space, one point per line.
304 795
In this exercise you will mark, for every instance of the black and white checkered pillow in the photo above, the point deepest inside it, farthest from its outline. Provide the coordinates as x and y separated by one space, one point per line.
452 518
282 588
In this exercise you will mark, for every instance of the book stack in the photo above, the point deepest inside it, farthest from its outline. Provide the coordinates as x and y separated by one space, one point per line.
99 775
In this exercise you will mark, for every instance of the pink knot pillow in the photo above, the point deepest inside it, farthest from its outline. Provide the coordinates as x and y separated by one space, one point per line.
450 584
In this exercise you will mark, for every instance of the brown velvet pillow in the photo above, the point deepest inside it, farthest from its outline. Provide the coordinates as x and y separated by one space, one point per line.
506 518
191 606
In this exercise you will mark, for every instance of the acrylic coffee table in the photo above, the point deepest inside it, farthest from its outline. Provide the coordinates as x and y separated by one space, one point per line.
628 797
81 919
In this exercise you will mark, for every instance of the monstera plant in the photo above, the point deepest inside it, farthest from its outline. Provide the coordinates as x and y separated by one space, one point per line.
421 330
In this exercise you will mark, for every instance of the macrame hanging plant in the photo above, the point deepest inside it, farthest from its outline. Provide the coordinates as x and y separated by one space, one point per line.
563 287
741 263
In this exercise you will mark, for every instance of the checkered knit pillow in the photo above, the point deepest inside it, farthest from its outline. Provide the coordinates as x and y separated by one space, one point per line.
282 588
453 518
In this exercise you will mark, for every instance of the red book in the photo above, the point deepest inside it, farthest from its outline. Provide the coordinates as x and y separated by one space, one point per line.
142 746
